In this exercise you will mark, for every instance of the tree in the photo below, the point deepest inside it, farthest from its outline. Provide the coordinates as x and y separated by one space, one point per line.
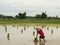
44 15
1 16
24 15
38 16
56 17
16 16
20 15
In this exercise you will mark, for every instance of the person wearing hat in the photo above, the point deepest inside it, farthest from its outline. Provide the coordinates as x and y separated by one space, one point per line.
41 33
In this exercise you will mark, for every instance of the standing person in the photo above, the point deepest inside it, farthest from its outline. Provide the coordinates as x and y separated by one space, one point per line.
41 34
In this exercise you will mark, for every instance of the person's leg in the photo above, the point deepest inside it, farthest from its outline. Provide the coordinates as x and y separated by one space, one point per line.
43 38
40 38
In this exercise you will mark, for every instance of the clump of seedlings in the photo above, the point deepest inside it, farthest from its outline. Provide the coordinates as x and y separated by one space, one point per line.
22 31
47 28
57 27
8 36
24 28
51 31
35 39
33 33
13 25
5 29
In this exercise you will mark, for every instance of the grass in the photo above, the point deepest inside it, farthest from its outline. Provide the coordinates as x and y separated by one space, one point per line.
29 21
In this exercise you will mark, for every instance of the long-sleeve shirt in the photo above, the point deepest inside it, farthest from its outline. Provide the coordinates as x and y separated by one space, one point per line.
40 32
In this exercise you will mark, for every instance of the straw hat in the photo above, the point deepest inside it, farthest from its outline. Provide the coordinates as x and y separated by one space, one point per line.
38 28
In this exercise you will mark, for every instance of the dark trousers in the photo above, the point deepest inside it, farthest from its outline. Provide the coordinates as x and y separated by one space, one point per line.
41 37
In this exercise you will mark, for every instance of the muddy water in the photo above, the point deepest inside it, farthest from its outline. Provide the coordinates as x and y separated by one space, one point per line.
23 35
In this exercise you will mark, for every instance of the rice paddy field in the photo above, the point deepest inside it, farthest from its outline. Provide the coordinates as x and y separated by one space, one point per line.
24 35
23 32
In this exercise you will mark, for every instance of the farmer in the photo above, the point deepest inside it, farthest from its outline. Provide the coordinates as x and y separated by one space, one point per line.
41 33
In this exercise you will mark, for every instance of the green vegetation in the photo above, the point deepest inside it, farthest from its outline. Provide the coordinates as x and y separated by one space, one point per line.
22 18
46 21
35 39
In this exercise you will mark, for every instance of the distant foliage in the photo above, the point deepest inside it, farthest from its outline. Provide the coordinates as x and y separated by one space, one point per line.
24 15
3 16
16 16
21 15
44 15
38 16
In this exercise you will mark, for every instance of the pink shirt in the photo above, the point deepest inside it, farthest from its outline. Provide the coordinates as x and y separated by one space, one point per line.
40 32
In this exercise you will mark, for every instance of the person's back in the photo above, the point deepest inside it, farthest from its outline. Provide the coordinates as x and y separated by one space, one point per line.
40 32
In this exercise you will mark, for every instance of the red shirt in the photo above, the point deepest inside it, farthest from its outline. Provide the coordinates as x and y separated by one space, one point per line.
40 32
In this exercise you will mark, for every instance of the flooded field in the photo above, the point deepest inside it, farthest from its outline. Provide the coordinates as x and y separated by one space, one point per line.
24 35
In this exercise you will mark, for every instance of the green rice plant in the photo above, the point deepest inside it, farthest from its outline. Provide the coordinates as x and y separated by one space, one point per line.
33 33
35 39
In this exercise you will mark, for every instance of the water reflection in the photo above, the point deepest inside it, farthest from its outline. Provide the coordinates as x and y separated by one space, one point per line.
8 36
35 43
22 31
42 43
22 37
39 43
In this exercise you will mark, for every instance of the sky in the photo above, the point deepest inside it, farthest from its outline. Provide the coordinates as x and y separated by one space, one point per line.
31 7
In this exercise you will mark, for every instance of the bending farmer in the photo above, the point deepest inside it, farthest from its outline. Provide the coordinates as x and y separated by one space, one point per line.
41 34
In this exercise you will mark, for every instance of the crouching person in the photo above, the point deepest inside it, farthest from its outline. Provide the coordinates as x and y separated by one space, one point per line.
41 34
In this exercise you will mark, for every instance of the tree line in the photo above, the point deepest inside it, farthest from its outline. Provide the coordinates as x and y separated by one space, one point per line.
23 16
